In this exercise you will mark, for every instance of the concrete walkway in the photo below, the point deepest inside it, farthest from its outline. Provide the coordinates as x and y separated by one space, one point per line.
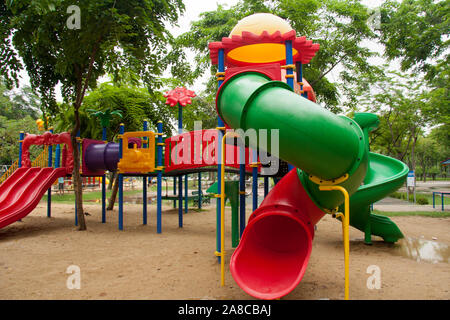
397 205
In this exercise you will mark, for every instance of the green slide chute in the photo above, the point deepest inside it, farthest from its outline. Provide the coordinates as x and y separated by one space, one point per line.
320 144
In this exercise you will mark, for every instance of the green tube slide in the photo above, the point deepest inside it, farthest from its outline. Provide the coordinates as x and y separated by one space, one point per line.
319 143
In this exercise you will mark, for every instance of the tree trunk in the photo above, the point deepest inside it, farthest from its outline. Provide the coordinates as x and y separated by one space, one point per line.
112 176
112 198
413 150
77 183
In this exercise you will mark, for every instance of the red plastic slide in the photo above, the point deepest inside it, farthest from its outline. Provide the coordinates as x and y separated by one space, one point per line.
23 190
274 251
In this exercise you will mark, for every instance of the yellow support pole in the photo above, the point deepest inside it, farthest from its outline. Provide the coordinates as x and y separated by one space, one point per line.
345 231
222 208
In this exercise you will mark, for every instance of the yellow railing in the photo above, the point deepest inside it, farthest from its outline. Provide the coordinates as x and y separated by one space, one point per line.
40 162
11 169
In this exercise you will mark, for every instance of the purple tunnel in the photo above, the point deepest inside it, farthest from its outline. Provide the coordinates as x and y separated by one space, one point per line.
100 156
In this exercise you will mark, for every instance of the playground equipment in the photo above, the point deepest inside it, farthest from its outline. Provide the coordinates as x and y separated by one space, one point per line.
330 153
136 154
22 191
327 168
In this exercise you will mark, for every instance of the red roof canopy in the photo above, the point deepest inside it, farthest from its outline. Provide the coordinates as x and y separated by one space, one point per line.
306 49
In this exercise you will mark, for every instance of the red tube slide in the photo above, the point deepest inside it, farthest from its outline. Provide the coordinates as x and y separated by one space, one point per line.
274 251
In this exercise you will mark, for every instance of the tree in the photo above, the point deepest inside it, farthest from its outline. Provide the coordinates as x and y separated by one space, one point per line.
9 137
112 35
340 26
416 31
17 105
427 155
105 116
402 104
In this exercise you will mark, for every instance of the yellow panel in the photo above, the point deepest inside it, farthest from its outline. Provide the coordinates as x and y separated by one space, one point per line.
259 53
138 160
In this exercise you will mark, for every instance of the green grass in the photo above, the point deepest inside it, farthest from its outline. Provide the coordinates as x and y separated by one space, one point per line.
89 196
433 214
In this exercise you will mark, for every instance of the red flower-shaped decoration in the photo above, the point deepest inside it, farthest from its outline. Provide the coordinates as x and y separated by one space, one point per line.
179 95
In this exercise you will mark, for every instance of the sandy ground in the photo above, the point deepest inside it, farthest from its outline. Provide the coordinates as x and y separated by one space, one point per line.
138 263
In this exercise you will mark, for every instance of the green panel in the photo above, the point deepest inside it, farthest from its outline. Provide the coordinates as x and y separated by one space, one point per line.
318 143
311 137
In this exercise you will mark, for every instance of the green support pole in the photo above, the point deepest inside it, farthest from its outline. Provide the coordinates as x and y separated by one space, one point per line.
232 194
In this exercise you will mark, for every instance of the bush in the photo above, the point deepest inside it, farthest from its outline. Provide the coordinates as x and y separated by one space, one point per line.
421 200
396 195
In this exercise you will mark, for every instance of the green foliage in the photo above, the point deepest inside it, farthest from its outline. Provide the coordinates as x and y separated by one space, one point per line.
105 116
135 104
9 137
340 26
52 53
17 105
421 200
396 195
415 31
398 101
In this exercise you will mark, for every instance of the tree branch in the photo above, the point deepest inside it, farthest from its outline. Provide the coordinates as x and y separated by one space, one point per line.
323 74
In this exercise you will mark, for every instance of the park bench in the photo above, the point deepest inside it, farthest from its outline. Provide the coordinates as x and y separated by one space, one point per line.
206 199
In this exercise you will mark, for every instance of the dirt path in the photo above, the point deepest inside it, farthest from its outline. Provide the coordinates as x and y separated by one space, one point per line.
138 263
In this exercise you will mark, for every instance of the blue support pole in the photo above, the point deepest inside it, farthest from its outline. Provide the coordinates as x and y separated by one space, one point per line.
220 124
255 180
180 178
104 138
174 191
50 164
200 190
121 132
289 61
242 217
186 193
180 201
144 181
21 137
299 67
159 179
266 186
58 156
289 73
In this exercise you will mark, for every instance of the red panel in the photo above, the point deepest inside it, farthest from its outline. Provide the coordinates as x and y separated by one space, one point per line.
273 71
201 146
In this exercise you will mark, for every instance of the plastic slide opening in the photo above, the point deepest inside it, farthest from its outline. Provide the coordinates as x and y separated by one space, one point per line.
272 256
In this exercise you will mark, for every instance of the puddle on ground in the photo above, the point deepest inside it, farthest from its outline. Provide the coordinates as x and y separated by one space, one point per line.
423 250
